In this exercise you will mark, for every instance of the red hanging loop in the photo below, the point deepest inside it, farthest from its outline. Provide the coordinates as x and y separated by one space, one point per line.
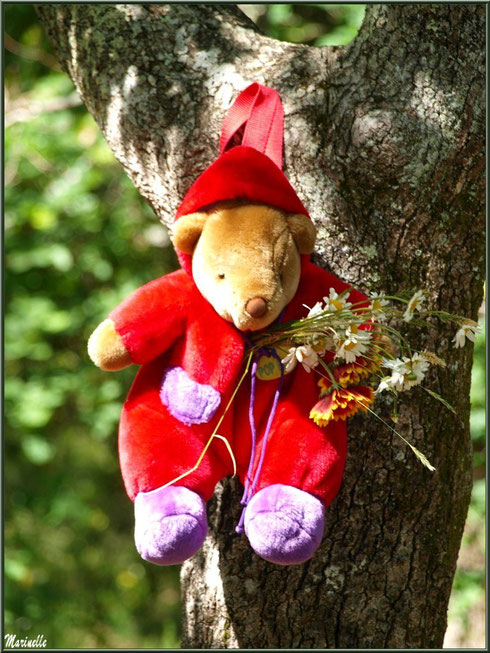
258 111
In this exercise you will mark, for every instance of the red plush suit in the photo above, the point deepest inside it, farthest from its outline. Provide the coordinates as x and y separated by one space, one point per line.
168 323
174 333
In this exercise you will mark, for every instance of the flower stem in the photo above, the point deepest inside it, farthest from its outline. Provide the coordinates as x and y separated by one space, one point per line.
214 434
418 453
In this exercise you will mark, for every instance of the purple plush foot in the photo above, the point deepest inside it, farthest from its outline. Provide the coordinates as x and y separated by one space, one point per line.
284 525
170 524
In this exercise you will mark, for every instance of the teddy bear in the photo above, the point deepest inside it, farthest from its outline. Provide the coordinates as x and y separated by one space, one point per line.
244 240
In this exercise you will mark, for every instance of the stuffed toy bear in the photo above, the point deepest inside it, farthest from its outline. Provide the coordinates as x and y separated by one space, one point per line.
243 238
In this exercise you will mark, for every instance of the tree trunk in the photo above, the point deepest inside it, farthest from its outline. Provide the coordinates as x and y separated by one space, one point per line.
384 143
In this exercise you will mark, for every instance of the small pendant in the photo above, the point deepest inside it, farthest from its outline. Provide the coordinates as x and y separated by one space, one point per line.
268 367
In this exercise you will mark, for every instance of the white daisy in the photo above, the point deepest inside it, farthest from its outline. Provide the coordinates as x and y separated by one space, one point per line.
334 302
414 305
290 361
468 331
398 372
377 306
316 310
406 373
305 354
385 384
354 344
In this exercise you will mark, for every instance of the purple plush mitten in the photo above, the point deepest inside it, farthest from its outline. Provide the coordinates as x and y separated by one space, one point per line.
170 524
284 525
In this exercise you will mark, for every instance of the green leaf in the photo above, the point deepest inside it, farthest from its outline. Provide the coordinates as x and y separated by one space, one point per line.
478 424
53 255
341 35
279 14
16 569
38 450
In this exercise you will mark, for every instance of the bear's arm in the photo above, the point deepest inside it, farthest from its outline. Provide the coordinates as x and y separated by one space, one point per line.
144 325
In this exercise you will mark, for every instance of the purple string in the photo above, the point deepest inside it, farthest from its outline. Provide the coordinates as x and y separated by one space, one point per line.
248 492
251 420
269 424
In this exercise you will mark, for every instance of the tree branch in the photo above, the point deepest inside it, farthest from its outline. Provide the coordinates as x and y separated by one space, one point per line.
384 144
24 108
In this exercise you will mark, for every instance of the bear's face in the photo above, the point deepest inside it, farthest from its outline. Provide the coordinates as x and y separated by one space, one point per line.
246 259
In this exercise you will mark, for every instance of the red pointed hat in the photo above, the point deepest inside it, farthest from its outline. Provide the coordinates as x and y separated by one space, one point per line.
251 170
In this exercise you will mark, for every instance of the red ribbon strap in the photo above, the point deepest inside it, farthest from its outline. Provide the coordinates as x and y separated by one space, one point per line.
258 110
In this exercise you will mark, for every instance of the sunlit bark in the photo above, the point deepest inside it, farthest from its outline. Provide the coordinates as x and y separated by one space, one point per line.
384 142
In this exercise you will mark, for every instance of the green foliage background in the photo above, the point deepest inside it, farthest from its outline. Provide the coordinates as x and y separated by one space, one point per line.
78 239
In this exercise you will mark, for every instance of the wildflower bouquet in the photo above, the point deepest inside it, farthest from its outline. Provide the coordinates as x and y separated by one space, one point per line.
353 347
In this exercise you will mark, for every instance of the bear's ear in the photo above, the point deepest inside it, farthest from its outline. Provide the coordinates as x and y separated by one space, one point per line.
303 231
186 230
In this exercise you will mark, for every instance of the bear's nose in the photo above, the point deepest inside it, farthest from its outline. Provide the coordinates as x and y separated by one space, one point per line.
256 307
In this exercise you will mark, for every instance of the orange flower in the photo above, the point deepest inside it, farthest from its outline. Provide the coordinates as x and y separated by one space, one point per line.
351 373
354 373
341 403
325 385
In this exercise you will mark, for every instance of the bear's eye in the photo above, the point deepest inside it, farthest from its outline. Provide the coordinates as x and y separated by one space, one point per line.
221 276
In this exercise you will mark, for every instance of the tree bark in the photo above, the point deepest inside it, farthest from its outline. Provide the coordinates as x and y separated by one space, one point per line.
384 143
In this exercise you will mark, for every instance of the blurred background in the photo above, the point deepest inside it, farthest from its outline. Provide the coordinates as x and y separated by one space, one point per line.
78 239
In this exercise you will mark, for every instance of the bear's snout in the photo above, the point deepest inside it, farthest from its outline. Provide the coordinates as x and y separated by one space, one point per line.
256 307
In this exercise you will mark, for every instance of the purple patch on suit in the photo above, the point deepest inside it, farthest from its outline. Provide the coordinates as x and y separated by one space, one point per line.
188 401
